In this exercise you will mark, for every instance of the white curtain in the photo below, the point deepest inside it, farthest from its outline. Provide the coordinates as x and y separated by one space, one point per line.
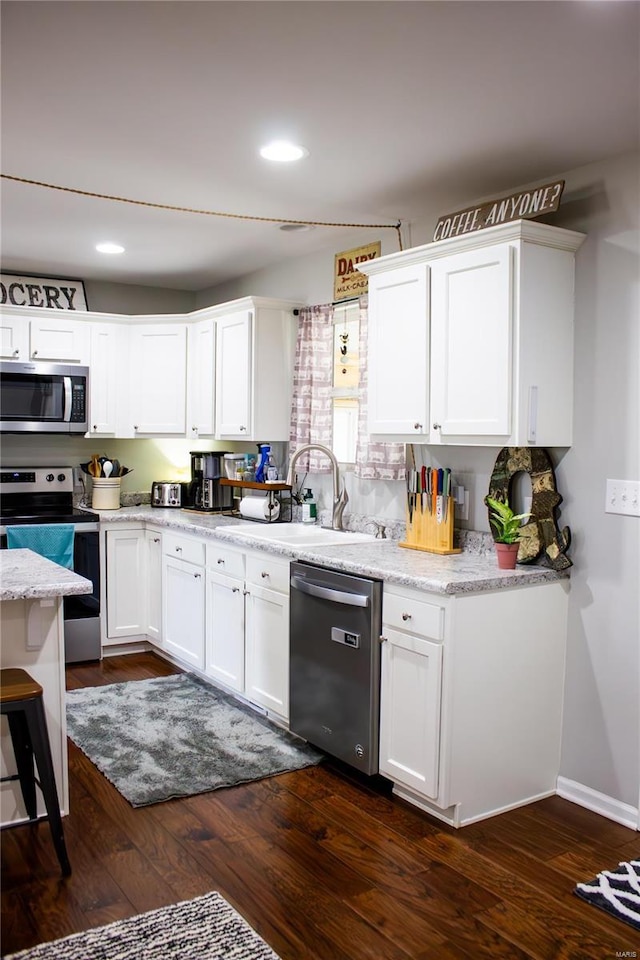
312 413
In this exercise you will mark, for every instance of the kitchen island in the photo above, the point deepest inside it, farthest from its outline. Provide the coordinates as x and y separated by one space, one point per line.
31 591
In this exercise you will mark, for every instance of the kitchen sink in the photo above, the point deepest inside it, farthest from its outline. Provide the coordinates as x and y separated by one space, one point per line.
300 535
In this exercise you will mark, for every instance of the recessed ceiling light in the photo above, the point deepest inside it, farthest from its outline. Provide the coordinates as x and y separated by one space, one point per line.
295 227
109 248
283 151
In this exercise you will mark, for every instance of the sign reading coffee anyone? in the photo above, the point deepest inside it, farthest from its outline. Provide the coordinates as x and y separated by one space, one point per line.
524 205
19 291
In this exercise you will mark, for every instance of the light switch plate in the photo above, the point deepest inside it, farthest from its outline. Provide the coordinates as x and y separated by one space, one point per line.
623 496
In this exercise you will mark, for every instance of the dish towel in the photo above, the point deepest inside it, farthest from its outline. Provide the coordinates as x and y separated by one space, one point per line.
51 540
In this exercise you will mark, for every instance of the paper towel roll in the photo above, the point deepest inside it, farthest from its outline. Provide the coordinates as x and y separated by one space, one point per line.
257 508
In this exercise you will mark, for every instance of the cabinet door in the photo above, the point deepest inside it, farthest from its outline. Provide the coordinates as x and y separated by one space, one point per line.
105 380
126 594
202 369
471 348
14 338
158 379
399 352
183 594
410 711
59 339
224 660
234 376
153 543
267 649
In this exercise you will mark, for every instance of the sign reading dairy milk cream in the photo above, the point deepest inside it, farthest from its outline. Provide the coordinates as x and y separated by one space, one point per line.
18 291
519 206
347 279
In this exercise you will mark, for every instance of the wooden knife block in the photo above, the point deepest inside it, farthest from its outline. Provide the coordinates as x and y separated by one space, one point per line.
425 533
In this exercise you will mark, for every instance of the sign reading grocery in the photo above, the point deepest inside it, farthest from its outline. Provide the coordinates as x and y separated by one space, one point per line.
347 279
18 291
525 205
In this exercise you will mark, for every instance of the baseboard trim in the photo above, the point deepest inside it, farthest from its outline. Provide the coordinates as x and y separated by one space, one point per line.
600 803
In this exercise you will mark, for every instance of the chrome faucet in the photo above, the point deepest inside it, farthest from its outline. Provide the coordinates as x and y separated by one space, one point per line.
340 498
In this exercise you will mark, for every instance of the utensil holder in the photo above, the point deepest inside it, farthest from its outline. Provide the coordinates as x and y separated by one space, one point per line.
105 494
425 533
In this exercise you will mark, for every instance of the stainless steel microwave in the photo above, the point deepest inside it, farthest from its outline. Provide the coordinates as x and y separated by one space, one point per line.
43 397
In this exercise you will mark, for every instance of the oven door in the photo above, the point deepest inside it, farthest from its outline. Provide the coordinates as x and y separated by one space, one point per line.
43 397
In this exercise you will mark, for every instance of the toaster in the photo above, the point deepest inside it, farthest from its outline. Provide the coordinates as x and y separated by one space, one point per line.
164 494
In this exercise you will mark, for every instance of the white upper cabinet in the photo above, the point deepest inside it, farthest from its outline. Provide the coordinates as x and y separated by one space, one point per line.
158 379
14 338
399 352
201 379
497 307
255 350
108 353
56 338
234 376
47 336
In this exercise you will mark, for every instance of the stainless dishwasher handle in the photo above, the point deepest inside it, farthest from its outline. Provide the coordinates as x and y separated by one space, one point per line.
326 593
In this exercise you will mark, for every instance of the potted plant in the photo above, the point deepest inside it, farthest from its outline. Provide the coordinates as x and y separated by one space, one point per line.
506 526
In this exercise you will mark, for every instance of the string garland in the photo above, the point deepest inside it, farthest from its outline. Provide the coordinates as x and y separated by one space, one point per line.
207 213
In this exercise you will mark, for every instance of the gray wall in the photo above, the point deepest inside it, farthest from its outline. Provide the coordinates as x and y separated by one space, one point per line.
601 718
126 298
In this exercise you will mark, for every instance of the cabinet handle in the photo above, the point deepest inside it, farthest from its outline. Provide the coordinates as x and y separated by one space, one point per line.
16 353
243 428
95 428
194 429
437 426
156 539
220 560
235 589
135 426
264 574
406 616
417 426
178 549
197 575
383 639
246 593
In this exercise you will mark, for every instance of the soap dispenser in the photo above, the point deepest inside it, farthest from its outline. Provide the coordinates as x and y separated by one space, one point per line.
264 450
309 507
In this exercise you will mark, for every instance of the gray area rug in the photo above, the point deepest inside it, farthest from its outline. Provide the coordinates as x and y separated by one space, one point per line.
207 928
176 736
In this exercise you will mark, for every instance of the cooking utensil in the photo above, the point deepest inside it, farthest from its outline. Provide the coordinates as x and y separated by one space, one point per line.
94 466
116 468
107 468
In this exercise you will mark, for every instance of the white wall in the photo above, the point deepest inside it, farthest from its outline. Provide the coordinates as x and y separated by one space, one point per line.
601 722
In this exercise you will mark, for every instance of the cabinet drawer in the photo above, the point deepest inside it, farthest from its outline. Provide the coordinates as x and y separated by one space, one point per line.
183 548
268 571
225 560
417 616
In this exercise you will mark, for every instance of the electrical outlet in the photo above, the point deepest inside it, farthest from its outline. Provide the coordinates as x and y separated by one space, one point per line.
462 503
623 496
77 478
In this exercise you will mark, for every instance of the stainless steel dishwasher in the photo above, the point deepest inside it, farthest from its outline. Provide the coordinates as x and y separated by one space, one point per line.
334 680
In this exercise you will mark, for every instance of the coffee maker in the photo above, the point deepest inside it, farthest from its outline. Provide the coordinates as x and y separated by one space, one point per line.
205 491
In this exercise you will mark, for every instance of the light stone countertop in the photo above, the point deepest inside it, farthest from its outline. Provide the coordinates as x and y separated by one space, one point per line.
25 575
466 572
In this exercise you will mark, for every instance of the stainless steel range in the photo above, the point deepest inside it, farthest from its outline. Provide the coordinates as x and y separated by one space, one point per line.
44 495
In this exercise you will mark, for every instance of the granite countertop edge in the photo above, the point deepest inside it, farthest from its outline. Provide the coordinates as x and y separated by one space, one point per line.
25 575
466 572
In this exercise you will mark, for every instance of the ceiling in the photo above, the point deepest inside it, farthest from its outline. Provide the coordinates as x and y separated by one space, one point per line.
405 108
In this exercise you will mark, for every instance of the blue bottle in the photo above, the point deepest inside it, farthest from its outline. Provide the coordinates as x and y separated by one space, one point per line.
264 451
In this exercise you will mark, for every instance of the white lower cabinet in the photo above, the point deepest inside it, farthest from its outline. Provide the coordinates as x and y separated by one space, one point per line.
124 584
471 698
225 618
153 544
183 599
410 711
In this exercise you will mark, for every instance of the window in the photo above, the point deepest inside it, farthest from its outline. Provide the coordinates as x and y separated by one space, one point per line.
345 381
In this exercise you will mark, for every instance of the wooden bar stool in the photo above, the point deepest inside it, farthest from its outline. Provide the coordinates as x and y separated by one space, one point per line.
21 701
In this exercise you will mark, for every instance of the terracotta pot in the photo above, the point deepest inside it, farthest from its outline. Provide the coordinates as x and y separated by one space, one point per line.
507 554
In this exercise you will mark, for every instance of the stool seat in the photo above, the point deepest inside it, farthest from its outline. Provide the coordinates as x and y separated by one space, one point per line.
16 684
21 700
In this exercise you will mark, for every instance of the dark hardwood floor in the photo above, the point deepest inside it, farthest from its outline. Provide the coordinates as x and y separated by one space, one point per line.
323 866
